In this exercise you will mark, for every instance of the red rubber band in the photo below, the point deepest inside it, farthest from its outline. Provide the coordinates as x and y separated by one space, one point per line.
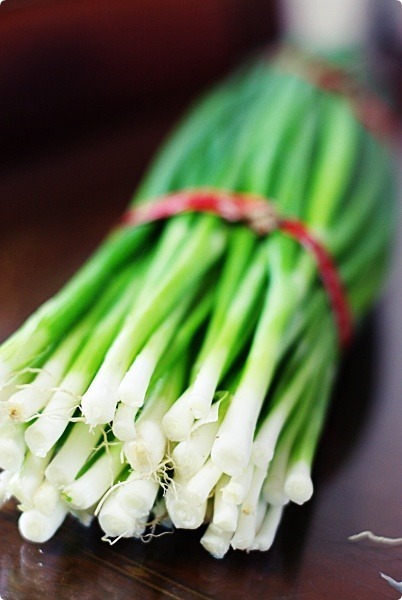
370 109
260 215
232 207
329 277
373 112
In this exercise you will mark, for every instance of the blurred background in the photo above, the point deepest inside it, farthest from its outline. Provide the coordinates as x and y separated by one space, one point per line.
89 88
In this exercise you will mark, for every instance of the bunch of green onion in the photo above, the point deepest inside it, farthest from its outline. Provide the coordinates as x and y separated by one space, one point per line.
183 375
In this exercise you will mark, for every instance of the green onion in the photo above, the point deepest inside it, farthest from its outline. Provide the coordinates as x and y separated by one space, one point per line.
184 374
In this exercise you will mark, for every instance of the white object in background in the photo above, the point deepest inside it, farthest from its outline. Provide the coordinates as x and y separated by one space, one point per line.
395 584
325 24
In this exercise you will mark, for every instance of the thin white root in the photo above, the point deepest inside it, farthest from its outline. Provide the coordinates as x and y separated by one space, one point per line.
395 584
378 539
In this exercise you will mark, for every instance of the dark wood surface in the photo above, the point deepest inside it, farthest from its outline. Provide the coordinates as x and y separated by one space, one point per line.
68 66
55 208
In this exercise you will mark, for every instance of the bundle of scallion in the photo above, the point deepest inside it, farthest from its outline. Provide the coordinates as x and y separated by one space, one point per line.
183 375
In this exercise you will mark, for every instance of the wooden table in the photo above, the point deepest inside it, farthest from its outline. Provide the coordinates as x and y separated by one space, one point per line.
55 208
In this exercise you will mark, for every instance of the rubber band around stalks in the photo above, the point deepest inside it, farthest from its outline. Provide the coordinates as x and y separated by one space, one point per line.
371 109
259 214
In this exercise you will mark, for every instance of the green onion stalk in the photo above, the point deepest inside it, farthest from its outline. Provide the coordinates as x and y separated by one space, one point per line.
183 375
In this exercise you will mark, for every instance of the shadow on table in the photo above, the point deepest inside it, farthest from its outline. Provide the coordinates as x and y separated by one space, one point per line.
349 411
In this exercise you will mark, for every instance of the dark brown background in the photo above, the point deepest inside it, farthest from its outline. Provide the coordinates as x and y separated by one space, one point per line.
85 98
